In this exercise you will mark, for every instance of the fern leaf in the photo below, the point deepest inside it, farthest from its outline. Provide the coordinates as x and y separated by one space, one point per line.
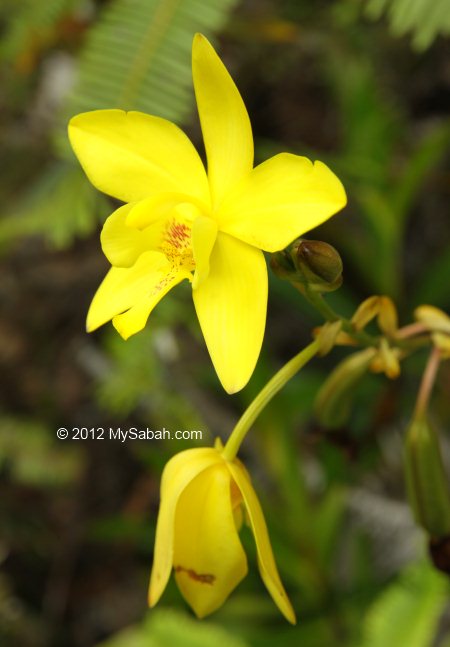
138 56
61 205
425 19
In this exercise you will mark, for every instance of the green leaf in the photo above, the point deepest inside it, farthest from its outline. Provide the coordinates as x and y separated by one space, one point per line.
327 524
27 449
407 613
432 286
170 628
422 161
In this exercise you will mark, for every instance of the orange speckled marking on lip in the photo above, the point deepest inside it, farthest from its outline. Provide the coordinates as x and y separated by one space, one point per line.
177 245
163 283
203 578
177 234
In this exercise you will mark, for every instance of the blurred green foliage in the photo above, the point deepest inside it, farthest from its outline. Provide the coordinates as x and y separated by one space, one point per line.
425 20
172 628
78 520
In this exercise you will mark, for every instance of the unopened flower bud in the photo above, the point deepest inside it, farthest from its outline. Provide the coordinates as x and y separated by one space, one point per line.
433 318
327 335
387 316
309 263
365 312
427 484
438 323
319 263
386 360
283 266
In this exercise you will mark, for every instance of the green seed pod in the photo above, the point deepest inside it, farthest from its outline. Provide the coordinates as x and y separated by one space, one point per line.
426 481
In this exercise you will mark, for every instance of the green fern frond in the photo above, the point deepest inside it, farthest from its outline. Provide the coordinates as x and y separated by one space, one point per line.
138 56
425 19
61 205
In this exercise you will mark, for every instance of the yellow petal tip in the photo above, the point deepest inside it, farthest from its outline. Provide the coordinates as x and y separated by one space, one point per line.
289 613
232 386
200 45
90 327
199 39
122 328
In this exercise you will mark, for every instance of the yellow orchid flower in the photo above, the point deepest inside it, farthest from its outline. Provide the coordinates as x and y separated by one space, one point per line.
183 223
202 499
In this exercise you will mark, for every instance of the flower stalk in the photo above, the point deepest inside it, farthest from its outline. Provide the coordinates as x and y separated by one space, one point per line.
263 398
426 386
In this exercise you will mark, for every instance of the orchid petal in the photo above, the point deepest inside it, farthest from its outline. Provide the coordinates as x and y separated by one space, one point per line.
280 200
146 212
231 307
208 557
123 287
132 156
177 475
204 234
121 244
266 561
133 320
225 123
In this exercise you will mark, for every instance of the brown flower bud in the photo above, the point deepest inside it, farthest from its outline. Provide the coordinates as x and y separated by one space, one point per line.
319 263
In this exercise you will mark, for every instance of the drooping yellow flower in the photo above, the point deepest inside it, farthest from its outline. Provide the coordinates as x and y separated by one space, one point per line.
183 223
203 497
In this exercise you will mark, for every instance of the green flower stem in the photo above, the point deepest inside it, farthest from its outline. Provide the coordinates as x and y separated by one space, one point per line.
316 299
264 396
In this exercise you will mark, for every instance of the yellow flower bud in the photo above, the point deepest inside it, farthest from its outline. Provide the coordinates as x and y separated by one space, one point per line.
197 534
442 341
433 318
381 307
438 322
327 335
365 312
387 316
386 360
